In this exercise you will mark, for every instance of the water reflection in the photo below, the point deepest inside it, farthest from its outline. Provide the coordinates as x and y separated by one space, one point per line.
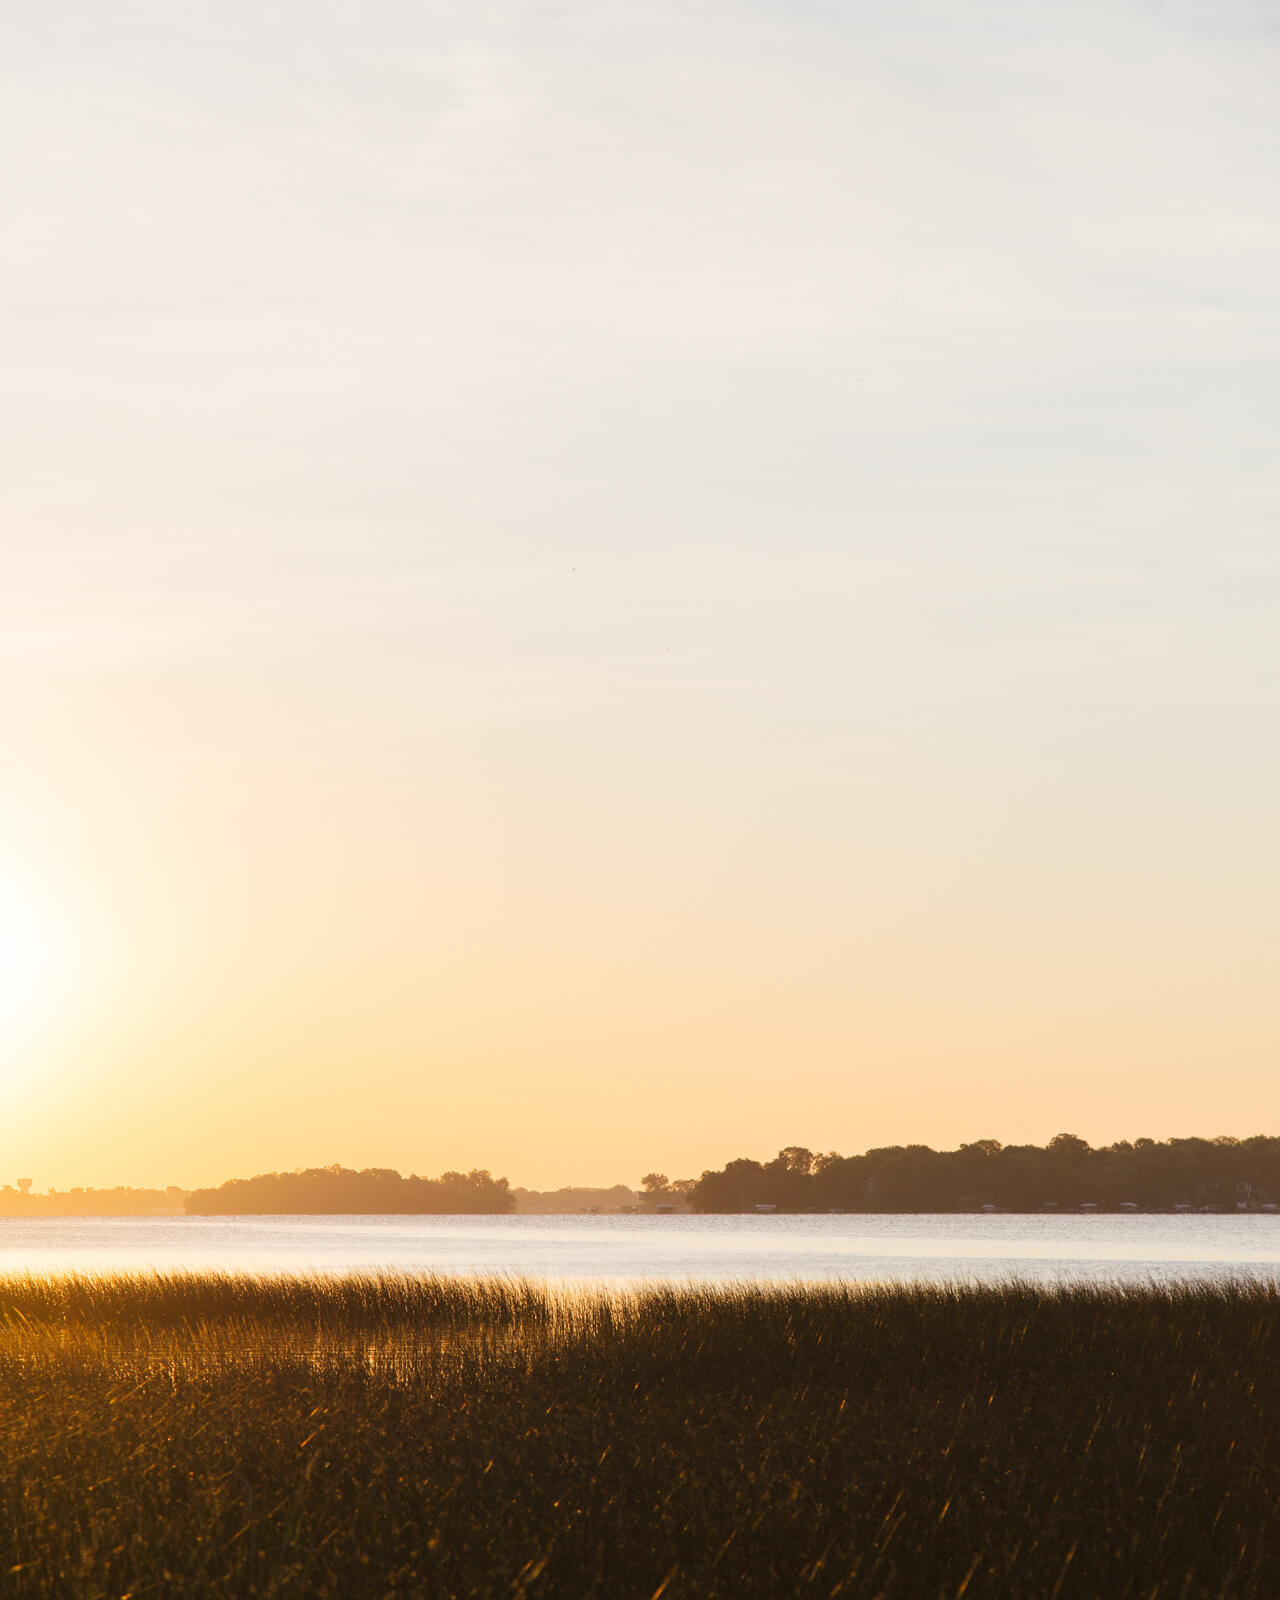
1055 1248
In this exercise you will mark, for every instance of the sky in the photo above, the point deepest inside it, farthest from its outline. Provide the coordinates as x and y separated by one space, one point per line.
590 588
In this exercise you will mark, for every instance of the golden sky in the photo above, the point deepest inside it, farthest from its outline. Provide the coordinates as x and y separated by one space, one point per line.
587 590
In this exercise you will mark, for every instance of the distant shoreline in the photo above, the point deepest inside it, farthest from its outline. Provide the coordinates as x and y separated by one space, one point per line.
1067 1176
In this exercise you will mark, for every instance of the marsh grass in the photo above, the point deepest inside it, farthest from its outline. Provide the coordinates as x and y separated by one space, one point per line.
385 1435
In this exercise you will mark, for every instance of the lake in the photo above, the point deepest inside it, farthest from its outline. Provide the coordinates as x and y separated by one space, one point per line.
990 1249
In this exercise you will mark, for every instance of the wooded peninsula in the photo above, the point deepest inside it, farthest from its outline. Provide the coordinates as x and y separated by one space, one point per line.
377 1191
1223 1174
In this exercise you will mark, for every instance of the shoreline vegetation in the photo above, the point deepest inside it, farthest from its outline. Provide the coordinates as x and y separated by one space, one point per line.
1067 1174
211 1435
377 1191
121 1201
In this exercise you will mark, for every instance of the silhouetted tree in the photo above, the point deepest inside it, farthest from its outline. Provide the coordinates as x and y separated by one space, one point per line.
737 1188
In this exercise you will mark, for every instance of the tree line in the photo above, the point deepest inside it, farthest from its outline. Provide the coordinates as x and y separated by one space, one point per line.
372 1192
1067 1172
82 1202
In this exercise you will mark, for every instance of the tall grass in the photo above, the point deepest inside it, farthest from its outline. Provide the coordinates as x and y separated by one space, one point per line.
394 1436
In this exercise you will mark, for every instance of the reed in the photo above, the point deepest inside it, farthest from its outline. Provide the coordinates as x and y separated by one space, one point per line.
385 1435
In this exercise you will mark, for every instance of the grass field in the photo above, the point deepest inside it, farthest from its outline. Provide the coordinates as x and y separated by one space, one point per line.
379 1436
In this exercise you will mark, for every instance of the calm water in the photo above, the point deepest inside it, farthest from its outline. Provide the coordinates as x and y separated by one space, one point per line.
708 1249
